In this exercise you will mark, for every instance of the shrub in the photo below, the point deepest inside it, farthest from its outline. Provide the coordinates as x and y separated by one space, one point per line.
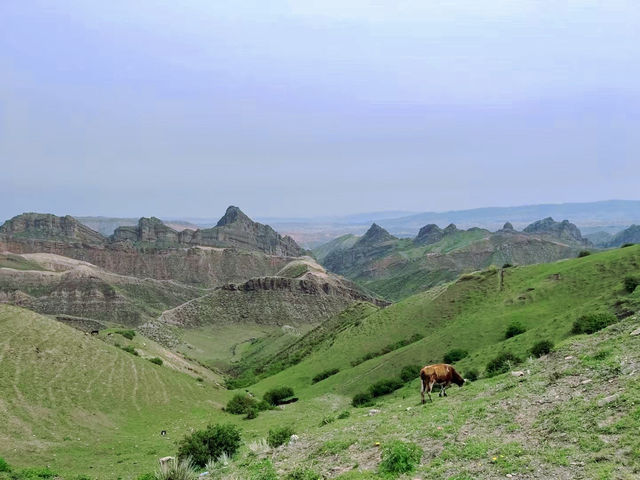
177 470
240 404
625 245
128 334
513 330
455 355
507 265
326 420
410 372
501 364
343 415
4 466
35 473
279 436
156 360
593 322
212 442
302 474
276 396
146 476
131 350
364 399
400 457
326 374
384 387
541 348
252 413
472 375
630 283
584 253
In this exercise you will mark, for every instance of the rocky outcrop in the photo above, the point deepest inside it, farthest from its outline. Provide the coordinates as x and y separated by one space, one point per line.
429 234
235 250
507 228
376 235
629 235
30 227
564 231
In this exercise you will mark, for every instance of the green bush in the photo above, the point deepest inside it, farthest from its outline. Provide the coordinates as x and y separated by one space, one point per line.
302 474
507 265
362 399
131 350
278 395
326 374
4 466
501 364
400 457
455 355
146 476
240 403
252 413
128 334
34 473
211 442
625 245
541 348
513 330
410 372
472 375
630 283
384 387
584 253
156 360
593 322
326 420
344 414
279 436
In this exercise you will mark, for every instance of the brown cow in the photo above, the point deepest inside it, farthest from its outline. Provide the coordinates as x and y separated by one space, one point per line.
440 373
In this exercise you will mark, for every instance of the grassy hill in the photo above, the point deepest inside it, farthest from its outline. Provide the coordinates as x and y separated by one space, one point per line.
572 414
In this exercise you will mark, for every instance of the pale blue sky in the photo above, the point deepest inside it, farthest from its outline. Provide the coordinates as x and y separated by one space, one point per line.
166 108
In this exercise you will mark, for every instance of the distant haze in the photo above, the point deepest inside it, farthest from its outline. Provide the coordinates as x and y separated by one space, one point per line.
302 109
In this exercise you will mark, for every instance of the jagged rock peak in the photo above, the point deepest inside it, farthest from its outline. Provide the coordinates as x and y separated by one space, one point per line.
564 230
451 228
376 234
46 226
507 227
233 215
429 234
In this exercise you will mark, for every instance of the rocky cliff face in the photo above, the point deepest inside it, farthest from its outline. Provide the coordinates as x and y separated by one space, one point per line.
628 235
564 231
429 234
235 250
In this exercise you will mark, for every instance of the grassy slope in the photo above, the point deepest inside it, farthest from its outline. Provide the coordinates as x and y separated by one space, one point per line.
73 402
471 313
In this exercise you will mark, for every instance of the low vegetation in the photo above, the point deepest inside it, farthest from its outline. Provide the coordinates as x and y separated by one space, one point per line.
326 374
213 441
593 322
156 360
279 436
388 348
278 396
541 348
128 334
363 399
400 457
513 330
455 355
501 364
385 387
410 372
630 283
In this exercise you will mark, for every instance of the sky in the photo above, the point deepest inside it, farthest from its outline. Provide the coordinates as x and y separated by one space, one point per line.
310 108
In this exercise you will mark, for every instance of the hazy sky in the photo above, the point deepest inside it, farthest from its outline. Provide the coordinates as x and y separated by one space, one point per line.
180 108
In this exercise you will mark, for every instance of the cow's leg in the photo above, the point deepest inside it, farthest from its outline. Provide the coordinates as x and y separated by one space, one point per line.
444 389
423 387
430 387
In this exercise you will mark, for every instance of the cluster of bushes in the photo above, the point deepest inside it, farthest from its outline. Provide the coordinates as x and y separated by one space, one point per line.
455 355
128 334
156 360
386 386
326 374
410 372
593 322
26 473
130 349
244 404
212 442
630 283
389 348
513 330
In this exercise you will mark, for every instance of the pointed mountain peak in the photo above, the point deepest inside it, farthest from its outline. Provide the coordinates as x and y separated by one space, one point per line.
507 227
233 215
429 234
376 234
451 228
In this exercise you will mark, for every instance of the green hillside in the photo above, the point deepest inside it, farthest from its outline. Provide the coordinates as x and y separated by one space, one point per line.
73 402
